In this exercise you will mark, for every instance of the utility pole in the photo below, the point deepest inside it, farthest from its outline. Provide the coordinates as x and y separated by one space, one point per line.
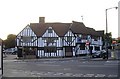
106 44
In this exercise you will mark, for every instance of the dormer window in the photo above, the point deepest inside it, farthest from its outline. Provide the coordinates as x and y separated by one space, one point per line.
69 39
80 36
50 30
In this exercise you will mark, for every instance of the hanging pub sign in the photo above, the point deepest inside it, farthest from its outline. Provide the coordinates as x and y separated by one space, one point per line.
114 42
87 43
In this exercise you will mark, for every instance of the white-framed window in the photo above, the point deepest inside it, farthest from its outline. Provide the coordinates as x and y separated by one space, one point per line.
69 39
27 39
50 30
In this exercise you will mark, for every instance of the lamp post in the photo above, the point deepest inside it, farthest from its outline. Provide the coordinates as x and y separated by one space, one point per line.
107 29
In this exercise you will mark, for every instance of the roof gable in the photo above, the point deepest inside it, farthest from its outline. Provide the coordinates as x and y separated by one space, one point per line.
59 28
27 31
69 33
52 33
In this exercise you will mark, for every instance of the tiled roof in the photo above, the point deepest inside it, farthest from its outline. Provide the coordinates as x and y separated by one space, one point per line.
62 28
79 28
59 28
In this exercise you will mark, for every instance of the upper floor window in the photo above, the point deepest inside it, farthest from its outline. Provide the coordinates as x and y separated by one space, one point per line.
95 38
78 39
84 37
69 39
50 40
26 39
88 37
80 35
50 30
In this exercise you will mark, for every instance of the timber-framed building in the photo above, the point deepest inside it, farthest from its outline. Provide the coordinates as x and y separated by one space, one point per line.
58 39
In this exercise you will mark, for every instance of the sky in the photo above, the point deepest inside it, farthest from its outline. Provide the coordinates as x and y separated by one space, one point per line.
17 14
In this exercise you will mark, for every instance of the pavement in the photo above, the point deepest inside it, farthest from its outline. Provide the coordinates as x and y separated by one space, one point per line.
83 58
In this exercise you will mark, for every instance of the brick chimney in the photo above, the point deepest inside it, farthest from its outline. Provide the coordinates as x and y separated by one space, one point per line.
41 19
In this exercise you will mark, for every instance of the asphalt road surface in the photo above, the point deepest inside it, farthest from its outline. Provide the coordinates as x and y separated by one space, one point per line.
60 68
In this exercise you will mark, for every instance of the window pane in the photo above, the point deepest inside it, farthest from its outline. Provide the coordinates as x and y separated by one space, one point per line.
49 30
69 39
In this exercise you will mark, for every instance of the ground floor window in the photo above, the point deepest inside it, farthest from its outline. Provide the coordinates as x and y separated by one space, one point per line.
50 49
29 51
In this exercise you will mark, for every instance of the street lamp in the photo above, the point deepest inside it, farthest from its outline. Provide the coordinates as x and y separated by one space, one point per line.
107 30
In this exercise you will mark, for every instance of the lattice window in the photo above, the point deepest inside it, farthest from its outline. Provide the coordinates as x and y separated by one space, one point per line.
69 39
27 39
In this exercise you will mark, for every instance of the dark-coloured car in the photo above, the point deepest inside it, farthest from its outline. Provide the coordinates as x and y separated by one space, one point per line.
104 54
97 54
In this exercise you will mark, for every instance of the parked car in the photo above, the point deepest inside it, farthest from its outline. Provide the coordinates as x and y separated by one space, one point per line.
10 51
104 54
99 54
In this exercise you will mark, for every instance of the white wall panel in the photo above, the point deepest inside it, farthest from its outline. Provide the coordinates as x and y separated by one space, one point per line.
69 33
41 53
71 43
40 42
27 31
53 34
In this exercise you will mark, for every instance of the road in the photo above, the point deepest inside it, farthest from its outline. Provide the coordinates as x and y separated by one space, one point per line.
73 67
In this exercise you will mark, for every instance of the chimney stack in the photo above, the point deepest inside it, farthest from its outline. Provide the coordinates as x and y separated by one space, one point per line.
41 19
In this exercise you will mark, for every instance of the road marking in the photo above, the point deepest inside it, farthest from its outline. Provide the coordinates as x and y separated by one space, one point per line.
112 75
89 75
58 74
67 69
47 65
100 75
49 62
111 63
68 74
83 62
78 75
41 74
50 73
108 61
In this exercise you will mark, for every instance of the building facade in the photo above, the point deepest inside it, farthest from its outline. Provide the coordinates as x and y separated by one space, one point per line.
58 39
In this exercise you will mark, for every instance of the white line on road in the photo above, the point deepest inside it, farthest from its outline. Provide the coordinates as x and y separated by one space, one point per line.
51 74
47 65
89 75
68 74
100 75
67 69
77 75
112 75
